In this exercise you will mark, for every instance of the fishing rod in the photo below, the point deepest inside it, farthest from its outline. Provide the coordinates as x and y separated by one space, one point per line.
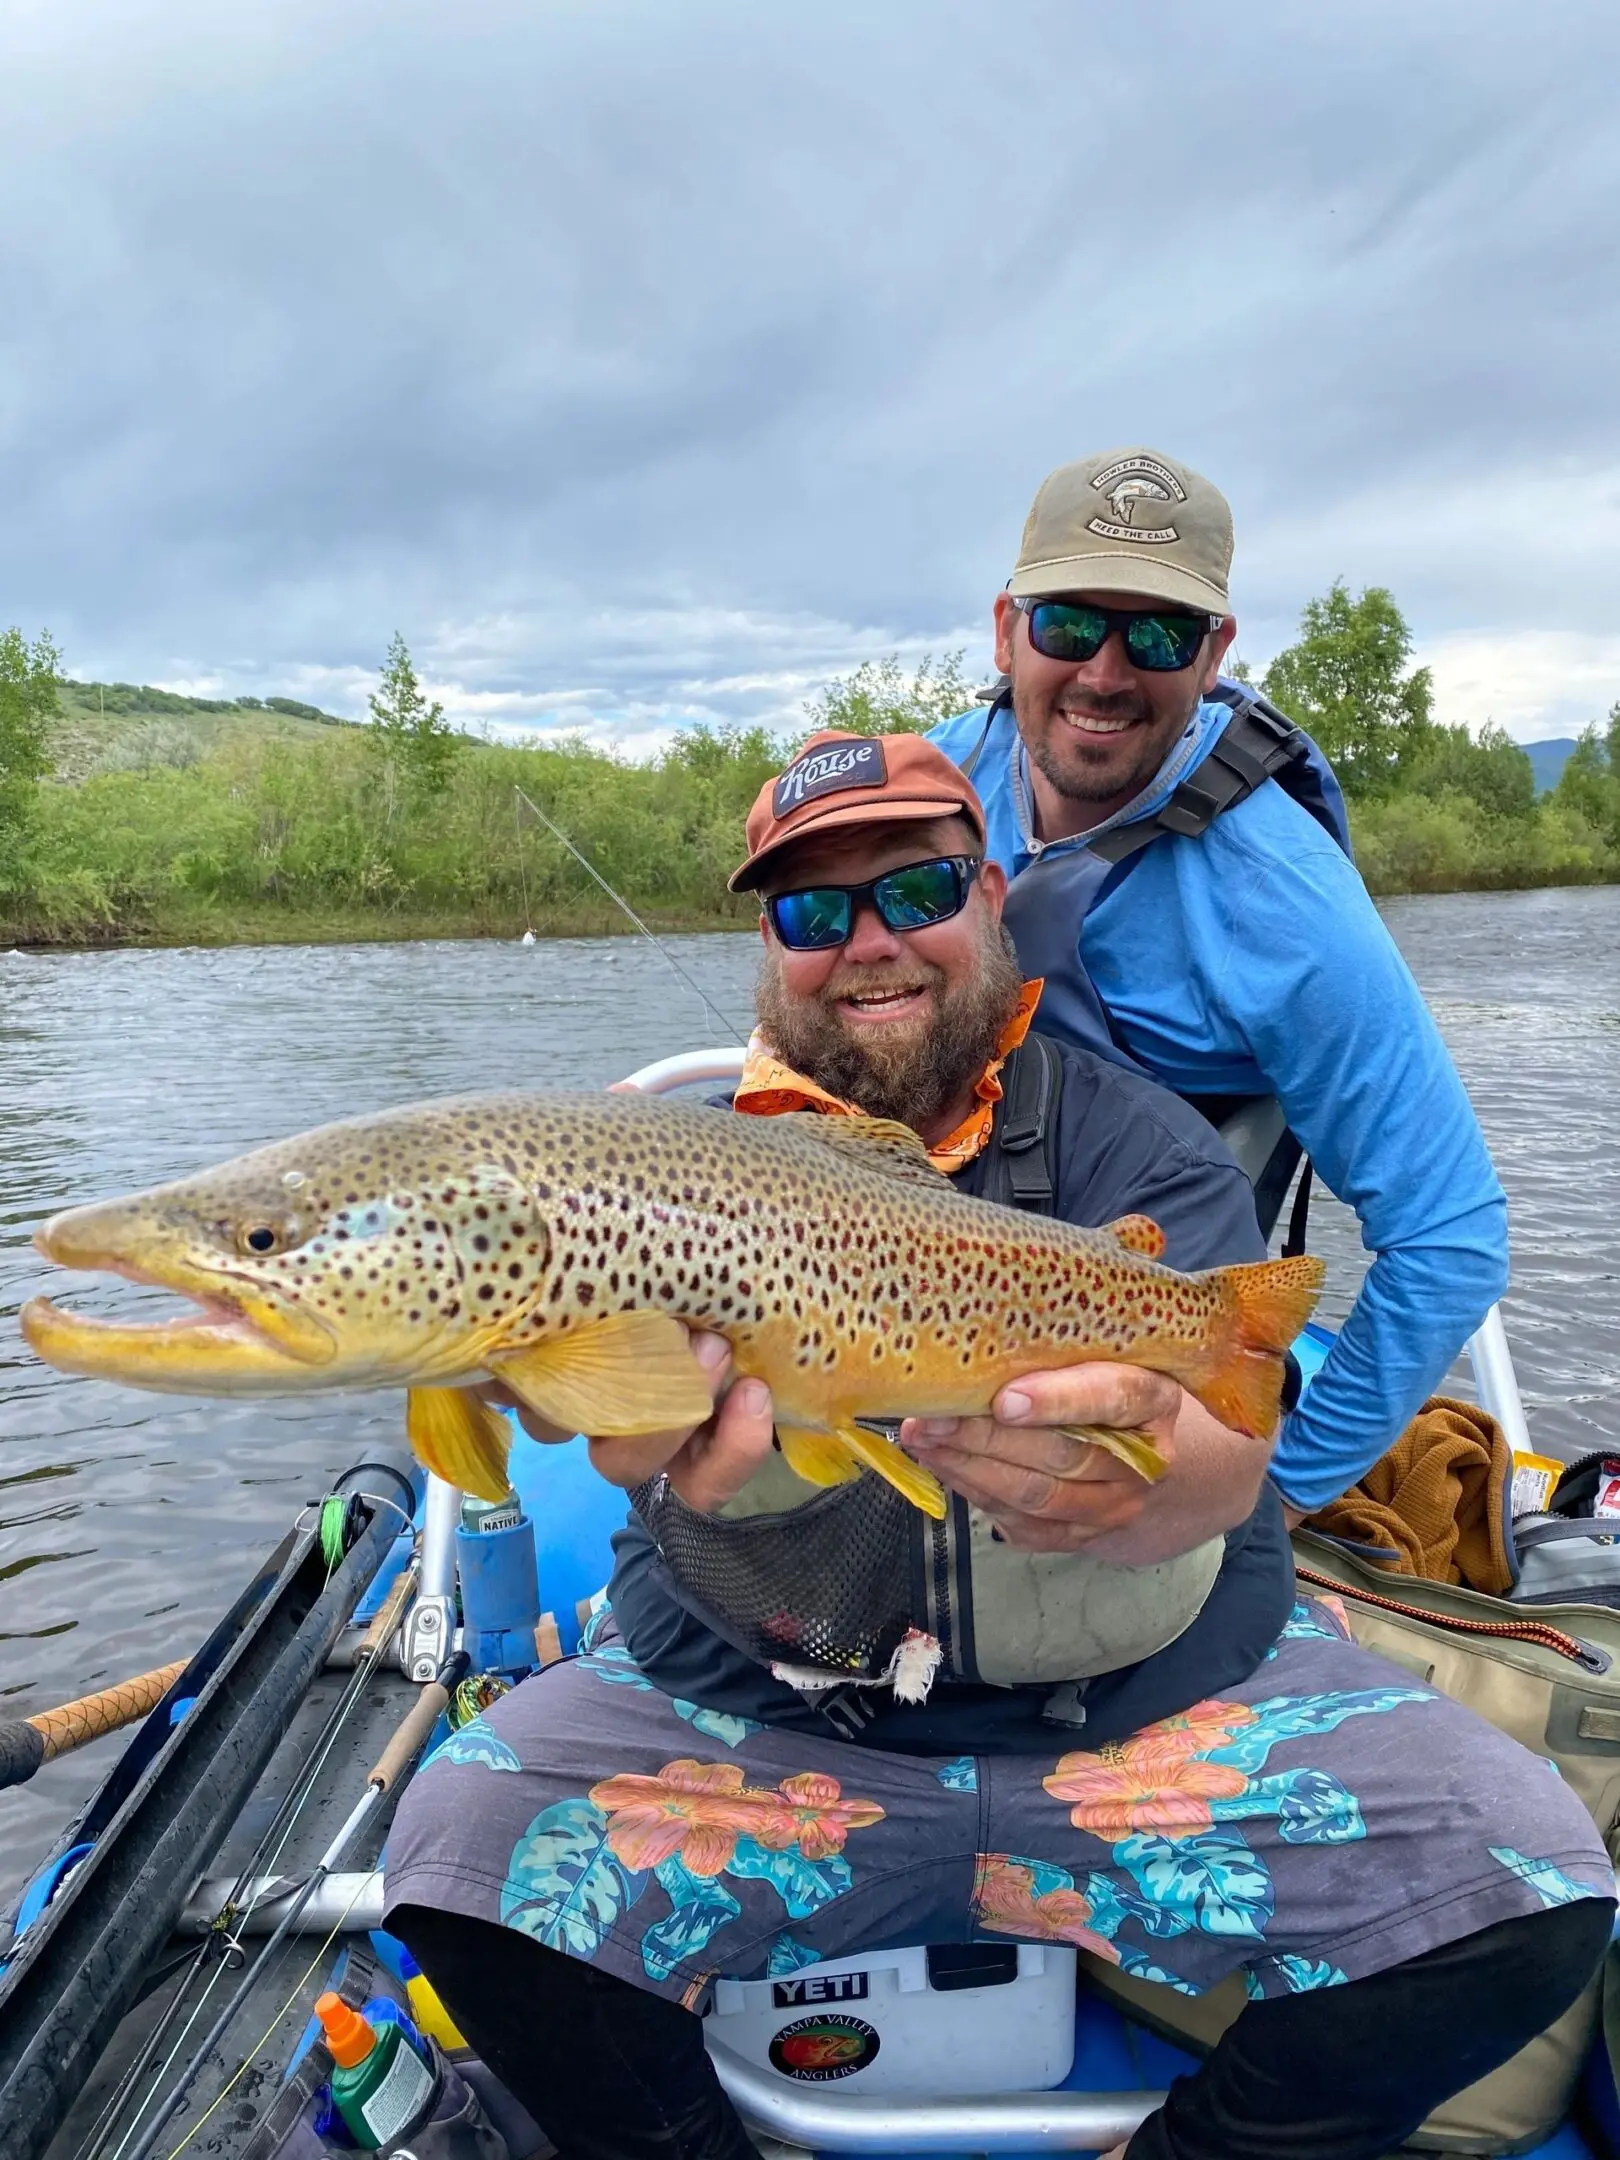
233 1915
407 1742
619 900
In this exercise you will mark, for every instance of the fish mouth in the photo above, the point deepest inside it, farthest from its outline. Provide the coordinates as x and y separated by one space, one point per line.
235 1337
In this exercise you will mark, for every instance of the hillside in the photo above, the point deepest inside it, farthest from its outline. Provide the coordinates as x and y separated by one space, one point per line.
135 727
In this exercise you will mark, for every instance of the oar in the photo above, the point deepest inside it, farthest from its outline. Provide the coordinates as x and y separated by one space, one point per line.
28 1742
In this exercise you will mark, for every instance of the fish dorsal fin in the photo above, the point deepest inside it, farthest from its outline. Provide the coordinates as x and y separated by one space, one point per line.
631 1372
880 1143
460 1438
1138 1234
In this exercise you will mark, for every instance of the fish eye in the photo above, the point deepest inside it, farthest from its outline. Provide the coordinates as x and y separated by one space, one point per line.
261 1238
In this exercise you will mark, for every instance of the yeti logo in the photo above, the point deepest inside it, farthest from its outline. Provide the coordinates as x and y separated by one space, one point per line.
826 771
1131 484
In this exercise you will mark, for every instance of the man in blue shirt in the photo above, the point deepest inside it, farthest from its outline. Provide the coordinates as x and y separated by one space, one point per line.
1243 959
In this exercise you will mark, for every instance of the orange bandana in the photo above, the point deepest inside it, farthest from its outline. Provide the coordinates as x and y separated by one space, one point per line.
768 1088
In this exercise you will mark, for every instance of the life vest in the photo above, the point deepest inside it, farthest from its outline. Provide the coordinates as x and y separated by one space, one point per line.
1049 901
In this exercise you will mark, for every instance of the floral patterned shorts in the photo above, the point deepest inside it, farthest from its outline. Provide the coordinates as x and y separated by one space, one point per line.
1323 1821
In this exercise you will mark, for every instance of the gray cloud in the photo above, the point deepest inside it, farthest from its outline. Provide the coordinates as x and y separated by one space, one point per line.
646 363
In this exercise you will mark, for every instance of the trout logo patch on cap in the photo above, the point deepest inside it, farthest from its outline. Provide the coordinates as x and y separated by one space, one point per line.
827 771
1127 484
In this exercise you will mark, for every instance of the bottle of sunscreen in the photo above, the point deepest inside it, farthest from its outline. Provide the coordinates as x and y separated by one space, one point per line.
380 2085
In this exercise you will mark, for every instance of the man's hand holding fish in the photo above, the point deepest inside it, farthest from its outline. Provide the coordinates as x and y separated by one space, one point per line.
706 1464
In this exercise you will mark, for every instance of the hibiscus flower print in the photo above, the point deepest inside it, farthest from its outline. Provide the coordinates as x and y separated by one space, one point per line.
1158 1780
700 1811
1011 1900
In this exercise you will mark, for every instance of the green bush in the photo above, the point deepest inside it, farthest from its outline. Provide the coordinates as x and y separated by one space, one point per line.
356 831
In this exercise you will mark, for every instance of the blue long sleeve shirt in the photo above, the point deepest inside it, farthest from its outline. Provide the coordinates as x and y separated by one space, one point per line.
1250 960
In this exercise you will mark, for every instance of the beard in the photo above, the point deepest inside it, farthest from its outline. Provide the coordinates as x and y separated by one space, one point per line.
1114 768
907 1070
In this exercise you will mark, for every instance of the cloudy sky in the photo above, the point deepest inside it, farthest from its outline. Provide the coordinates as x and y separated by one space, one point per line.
645 362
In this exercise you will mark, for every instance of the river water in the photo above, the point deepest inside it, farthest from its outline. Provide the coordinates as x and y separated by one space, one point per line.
127 1520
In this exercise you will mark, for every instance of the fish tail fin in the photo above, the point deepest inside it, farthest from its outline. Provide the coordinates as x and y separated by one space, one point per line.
816 1456
1263 1307
460 1438
890 1461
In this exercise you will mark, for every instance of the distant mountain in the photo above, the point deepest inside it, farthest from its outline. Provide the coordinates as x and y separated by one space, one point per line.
1547 759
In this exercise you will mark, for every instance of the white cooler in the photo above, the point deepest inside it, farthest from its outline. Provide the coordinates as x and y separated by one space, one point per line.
948 2021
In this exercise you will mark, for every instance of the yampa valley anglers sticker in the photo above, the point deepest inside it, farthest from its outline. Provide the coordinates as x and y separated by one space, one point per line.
829 2045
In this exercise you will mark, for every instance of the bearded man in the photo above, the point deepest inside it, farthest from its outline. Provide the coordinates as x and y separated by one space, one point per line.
1120 1661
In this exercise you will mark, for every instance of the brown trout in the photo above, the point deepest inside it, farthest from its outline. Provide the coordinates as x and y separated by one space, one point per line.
554 1243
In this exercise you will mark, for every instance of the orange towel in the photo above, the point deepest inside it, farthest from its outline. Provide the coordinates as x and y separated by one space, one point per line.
1435 1500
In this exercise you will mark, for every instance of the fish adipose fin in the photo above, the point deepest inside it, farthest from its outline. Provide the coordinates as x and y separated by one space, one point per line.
1132 1448
630 1373
878 1143
816 1456
1138 1234
1263 1307
461 1439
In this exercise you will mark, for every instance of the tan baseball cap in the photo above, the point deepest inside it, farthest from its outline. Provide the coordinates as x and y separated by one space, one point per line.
842 779
1127 521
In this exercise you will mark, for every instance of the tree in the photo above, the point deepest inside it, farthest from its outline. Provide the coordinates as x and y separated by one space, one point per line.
1590 780
415 740
30 677
878 699
1494 770
1346 681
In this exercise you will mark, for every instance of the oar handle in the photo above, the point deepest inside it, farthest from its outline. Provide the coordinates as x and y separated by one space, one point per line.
28 1743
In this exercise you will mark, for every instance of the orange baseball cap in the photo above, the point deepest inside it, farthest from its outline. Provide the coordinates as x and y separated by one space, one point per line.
839 779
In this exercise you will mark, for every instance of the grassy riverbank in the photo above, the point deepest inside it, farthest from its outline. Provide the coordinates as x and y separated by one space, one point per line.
272 838
142 817
284 839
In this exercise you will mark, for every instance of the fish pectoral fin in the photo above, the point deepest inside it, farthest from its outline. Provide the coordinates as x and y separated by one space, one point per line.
1138 1234
460 1438
629 1373
878 1143
1134 1449
891 1461
817 1457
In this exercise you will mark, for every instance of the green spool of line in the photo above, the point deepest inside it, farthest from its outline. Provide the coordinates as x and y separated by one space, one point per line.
334 1522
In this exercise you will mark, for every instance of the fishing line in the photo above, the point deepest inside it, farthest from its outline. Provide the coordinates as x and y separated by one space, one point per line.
523 875
262 1862
334 1521
619 900
269 2032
